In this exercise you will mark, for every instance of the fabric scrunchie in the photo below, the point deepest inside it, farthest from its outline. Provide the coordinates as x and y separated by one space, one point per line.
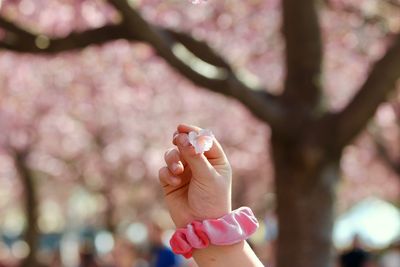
230 229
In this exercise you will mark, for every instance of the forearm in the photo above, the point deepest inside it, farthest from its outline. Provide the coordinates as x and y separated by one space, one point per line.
238 255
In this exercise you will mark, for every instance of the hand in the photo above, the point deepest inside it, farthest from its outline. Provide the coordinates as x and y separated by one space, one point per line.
196 186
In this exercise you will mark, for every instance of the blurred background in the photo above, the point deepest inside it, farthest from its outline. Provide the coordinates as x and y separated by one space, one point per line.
85 120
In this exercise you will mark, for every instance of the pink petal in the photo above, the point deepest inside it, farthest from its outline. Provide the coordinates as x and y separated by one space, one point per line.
201 141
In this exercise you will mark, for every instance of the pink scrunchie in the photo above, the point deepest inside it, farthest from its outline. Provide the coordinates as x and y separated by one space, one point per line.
230 229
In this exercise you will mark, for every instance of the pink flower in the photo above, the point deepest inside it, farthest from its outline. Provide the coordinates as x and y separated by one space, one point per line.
198 1
201 141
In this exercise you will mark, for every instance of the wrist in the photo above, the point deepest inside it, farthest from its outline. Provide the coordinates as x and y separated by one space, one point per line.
210 213
236 255
213 253
181 220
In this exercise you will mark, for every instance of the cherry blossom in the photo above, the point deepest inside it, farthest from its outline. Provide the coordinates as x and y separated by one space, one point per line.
201 141
196 2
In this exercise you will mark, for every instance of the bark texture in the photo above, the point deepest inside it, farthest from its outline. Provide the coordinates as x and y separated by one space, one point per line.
305 183
31 234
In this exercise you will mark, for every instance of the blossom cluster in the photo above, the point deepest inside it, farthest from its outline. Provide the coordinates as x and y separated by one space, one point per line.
198 1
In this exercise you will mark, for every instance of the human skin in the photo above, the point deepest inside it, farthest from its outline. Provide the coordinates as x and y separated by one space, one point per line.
198 187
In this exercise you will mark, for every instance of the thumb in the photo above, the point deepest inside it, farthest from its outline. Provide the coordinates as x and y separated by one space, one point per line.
216 153
198 163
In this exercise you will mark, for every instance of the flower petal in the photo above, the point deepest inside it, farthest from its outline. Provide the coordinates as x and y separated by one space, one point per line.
192 138
201 141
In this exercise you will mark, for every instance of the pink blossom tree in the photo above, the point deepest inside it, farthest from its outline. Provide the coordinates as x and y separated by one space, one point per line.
81 128
316 85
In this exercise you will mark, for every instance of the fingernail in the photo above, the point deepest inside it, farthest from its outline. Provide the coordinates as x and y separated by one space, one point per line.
183 140
175 167
174 137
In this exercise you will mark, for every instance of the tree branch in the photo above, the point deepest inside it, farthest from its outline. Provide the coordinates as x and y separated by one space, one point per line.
164 41
394 3
263 105
199 49
20 40
31 233
11 27
381 80
303 52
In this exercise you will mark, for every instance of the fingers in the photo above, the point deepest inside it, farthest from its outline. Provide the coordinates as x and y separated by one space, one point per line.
175 166
199 164
216 151
174 162
167 177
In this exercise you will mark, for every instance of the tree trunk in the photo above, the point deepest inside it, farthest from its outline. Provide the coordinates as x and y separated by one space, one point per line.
110 213
31 234
305 182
